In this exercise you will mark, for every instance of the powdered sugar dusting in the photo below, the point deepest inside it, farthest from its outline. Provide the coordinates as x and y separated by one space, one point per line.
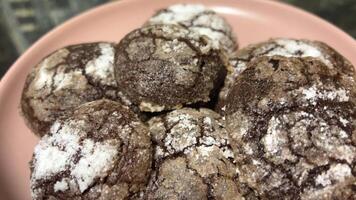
208 140
207 121
178 13
67 80
336 173
101 68
188 131
51 159
214 36
58 151
344 121
175 141
297 48
205 151
173 46
200 20
95 162
272 139
61 186
44 76
313 94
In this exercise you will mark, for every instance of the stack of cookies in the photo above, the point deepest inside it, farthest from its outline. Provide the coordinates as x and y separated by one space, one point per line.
175 111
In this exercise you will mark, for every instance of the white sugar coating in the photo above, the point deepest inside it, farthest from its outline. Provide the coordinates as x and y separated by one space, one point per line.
205 151
61 186
207 121
68 80
44 76
159 152
189 131
45 69
173 46
175 142
214 36
53 153
241 66
56 152
336 173
208 140
272 139
187 8
310 93
213 21
223 108
294 48
185 120
343 121
95 162
102 67
178 13
313 94
200 20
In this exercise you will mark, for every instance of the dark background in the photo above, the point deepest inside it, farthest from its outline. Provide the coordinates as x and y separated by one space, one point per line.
23 21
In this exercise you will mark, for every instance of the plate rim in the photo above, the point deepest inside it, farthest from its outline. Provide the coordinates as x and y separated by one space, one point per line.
17 66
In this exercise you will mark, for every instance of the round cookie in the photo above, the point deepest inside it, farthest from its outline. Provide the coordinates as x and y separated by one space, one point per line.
102 151
163 67
67 78
292 124
200 20
193 157
286 47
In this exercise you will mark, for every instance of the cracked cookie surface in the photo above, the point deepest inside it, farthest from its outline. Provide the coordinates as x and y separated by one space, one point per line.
193 157
66 79
102 151
288 48
163 67
292 125
200 20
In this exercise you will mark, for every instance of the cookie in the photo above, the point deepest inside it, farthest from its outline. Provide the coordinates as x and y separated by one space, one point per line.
163 67
67 78
193 157
292 125
102 151
200 20
286 47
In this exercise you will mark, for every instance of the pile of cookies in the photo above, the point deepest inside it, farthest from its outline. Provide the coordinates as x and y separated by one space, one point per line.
175 111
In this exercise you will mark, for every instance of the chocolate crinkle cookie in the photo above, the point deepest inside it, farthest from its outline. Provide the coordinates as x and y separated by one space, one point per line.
67 78
200 20
292 125
193 157
102 151
163 67
286 47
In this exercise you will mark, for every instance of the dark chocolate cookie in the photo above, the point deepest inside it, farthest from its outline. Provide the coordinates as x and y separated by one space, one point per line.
286 47
163 67
292 124
65 79
200 20
102 151
193 157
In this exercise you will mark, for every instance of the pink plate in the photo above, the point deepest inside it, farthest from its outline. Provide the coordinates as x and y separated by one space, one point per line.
252 20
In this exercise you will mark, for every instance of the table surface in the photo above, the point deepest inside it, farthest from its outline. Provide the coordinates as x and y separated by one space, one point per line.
23 21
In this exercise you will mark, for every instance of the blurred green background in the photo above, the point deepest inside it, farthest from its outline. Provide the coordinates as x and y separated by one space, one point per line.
23 21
